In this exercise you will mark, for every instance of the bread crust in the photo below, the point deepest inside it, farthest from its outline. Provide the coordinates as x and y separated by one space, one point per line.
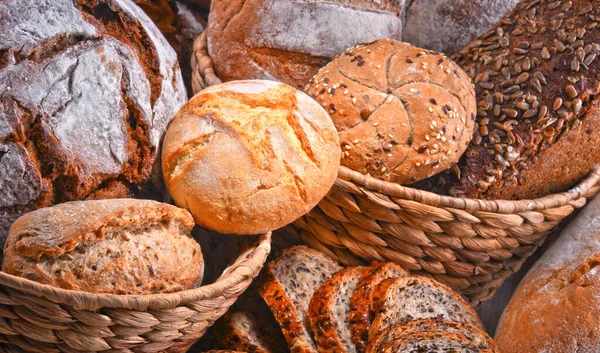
422 339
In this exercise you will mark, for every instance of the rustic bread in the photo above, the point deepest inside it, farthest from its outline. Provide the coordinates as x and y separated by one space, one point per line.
557 305
192 24
402 113
433 342
120 246
448 25
410 298
88 88
290 283
472 333
361 312
536 76
248 157
328 311
289 40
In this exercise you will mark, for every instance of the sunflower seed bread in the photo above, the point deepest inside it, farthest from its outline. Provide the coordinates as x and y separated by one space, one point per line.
288 287
433 342
410 298
361 312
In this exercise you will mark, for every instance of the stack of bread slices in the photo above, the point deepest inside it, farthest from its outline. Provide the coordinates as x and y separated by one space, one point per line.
318 306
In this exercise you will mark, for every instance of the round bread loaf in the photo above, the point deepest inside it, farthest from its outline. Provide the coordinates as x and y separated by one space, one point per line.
248 157
88 88
119 246
402 113
289 40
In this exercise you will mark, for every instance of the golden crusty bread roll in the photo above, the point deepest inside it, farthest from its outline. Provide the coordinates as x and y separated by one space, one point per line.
248 157
118 246
402 113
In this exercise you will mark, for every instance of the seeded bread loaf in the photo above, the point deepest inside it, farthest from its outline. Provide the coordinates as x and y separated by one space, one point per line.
290 283
289 40
329 308
361 311
472 333
88 88
403 113
536 76
120 246
433 342
410 298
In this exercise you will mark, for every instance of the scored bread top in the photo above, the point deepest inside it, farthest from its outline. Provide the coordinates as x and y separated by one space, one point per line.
120 246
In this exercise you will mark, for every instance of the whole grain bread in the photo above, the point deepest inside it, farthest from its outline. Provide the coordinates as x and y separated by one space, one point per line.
410 298
472 333
433 342
119 246
288 287
537 78
329 308
361 312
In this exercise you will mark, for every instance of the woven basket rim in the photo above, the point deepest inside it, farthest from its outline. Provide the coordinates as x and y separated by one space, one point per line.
248 264
203 75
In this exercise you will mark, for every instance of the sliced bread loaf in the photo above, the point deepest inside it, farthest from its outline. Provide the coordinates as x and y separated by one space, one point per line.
361 313
472 333
433 342
291 280
328 311
411 298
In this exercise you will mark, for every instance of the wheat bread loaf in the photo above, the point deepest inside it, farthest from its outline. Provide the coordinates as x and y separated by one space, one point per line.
119 246
433 342
291 280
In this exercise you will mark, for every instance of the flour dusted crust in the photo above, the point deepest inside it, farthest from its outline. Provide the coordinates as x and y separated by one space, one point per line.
289 40
87 91
119 246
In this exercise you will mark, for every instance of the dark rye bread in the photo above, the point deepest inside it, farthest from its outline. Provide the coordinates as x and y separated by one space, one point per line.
433 342
410 298
475 335
361 312
87 90
537 77
329 308
290 283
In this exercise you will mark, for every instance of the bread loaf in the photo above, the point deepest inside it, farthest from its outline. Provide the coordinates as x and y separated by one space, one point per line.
402 113
289 40
248 157
557 305
88 88
433 342
536 75
120 246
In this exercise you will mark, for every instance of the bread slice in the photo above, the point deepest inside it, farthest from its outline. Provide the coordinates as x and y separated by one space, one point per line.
433 342
328 311
472 333
361 313
291 280
250 327
411 298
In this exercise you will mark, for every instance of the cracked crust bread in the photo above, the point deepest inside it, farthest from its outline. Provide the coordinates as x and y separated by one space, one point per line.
291 280
247 157
361 311
402 113
557 305
289 40
119 246
88 88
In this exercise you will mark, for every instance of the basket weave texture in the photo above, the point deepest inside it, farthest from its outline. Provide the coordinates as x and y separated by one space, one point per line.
44 319
471 245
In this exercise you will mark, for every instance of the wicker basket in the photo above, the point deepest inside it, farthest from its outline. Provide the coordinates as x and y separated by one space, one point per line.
43 319
471 245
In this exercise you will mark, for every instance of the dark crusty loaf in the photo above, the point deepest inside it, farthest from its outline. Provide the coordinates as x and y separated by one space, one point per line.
88 88
329 308
361 311
536 75
409 298
433 342
472 333
120 246
290 283
289 40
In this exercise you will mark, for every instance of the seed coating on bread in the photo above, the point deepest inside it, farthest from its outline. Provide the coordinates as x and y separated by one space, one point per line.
361 311
433 342
290 283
